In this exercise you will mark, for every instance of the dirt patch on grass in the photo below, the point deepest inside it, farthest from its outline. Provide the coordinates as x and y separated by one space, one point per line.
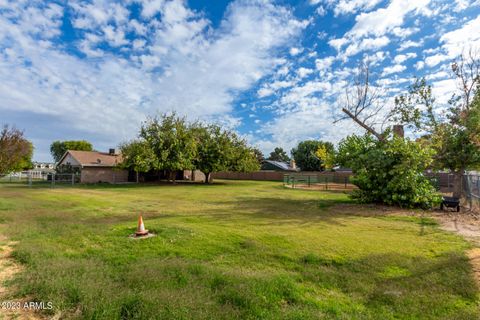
467 226
463 224
474 256
8 269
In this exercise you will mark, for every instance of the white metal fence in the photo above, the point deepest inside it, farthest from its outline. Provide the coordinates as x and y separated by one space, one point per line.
38 178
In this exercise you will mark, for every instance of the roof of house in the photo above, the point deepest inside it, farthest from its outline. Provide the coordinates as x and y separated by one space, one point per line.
284 166
93 158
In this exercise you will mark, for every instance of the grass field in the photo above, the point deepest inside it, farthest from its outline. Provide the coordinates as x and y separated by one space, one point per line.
234 250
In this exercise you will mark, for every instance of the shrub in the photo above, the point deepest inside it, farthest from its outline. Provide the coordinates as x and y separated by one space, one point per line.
389 171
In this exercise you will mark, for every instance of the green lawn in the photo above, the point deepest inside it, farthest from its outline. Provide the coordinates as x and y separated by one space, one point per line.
234 250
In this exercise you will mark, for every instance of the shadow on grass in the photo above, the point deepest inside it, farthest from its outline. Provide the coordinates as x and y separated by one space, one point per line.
377 286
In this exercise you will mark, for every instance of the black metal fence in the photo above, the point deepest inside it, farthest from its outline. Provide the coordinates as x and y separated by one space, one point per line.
323 181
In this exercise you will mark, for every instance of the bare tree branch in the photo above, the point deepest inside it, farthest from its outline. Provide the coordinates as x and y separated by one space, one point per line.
363 103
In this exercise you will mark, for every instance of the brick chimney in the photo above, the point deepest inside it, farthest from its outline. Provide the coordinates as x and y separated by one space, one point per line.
293 164
399 131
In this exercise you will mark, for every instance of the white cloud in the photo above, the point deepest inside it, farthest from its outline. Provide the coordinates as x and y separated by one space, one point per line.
393 69
409 44
265 92
384 20
400 58
371 28
455 42
151 7
303 72
324 64
321 11
353 6
294 51
195 71
419 65
365 44
434 60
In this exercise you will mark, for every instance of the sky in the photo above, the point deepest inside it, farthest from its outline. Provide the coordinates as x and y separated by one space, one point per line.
274 71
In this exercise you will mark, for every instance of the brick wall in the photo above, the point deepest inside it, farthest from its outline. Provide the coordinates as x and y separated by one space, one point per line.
99 174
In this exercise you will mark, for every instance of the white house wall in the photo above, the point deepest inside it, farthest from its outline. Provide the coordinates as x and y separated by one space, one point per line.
69 159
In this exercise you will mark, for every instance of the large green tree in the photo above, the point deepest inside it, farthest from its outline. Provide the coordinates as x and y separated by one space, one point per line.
15 151
172 142
278 154
305 154
58 148
137 156
454 135
389 171
222 150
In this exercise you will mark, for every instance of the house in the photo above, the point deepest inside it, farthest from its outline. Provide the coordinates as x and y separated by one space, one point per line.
95 166
43 166
271 165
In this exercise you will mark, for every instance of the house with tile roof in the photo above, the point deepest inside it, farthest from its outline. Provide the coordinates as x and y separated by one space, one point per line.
94 166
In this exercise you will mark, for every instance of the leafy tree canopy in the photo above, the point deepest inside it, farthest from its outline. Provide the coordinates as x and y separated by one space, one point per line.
305 154
222 150
326 156
58 148
454 135
259 155
171 141
278 154
15 151
389 171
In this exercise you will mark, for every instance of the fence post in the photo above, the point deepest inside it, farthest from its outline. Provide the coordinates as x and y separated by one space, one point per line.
30 179
309 181
326 182
73 179
345 178
53 180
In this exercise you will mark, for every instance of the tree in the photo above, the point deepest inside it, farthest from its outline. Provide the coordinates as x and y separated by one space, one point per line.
278 154
243 159
305 157
454 136
389 171
214 149
259 155
363 102
15 151
222 150
172 142
326 156
58 148
137 156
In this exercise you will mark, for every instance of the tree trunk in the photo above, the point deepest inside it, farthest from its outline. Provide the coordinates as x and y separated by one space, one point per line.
207 177
458 183
363 125
137 175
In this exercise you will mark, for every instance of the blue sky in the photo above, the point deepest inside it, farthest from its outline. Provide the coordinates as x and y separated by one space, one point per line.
275 71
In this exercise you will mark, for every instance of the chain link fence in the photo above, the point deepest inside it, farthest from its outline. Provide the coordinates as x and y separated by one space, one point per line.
39 178
472 191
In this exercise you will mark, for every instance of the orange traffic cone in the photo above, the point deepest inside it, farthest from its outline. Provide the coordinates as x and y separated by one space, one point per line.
141 231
